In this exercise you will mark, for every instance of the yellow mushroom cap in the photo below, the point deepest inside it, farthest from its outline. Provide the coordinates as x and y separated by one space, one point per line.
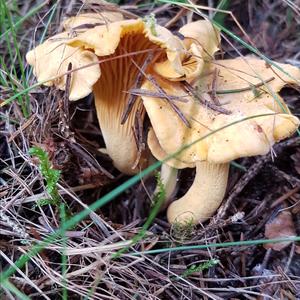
202 33
259 120
104 40
201 40
51 59
50 62
100 40
92 40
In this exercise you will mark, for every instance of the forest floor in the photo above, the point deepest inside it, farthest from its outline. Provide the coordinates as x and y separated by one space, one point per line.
223 258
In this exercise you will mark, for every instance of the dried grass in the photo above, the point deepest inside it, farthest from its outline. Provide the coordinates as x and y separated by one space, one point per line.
243 272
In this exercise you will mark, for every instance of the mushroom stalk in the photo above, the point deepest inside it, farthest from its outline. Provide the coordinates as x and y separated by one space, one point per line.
204 196
119 139
111 98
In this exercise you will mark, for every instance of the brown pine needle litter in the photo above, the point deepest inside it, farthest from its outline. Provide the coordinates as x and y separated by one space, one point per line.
73 165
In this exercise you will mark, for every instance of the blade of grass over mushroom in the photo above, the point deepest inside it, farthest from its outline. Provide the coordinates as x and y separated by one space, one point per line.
23 259
254 86
159 199
143 92
219 245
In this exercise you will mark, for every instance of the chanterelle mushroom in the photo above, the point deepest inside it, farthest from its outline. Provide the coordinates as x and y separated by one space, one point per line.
246 92
123 46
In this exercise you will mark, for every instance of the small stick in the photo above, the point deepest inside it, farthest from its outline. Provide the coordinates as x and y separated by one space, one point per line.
208 104
87 26
166 96
89 159
138 136
213 93
132 98
249 88
67 93
63 107
181 13
147 93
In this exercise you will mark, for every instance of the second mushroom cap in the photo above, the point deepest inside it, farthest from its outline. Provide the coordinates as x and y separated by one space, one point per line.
256 117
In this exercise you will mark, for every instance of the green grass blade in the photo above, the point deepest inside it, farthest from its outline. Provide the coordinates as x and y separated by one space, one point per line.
8 285
52 13
219 245
24 104
159 200
29 14
11 72
64 261
17 95
219 17
4 73
238 166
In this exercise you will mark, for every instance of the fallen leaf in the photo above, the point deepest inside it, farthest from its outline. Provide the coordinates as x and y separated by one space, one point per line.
281 227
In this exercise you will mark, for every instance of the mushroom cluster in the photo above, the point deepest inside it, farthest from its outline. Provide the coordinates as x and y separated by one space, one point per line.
223 109
110 56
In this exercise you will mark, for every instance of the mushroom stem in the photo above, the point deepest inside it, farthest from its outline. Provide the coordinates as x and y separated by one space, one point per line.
168 177
118 76
204 196
119 139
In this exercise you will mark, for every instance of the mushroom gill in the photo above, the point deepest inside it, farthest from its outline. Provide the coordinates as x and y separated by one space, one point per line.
119 73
